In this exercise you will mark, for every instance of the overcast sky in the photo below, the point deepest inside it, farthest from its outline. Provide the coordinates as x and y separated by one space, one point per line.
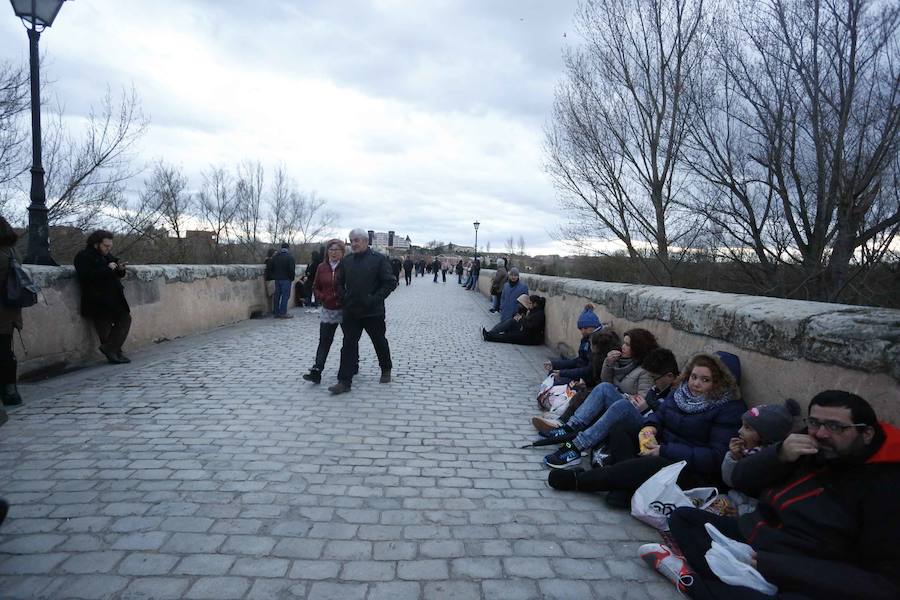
417 116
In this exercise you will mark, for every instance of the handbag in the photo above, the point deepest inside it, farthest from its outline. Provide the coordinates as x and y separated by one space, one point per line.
19 291
660 495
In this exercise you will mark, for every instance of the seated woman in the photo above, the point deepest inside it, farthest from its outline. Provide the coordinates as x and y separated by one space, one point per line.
525 327
607 407
694 423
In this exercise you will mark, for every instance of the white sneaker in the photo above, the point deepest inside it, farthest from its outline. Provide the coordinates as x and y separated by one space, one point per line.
671 566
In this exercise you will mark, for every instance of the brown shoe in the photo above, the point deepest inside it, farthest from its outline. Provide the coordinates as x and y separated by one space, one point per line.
545 424
341 387
385 377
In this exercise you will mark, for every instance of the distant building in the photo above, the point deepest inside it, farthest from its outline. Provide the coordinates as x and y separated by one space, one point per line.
388 241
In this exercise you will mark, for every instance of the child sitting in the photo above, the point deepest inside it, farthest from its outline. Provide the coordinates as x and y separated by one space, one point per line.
566 369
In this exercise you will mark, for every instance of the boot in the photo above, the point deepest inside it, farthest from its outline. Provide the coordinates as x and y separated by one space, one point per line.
10 394
314 375
4 417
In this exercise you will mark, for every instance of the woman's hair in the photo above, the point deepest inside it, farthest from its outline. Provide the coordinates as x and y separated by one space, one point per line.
642 342
537 301
8 235
723 378
270 252
98 236
335 242
602 341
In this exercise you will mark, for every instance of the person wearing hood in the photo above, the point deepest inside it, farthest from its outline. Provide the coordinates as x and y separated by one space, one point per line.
826 525
695 423
512 289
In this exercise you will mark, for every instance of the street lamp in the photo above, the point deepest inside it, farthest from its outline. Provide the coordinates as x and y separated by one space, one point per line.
36 15
476 224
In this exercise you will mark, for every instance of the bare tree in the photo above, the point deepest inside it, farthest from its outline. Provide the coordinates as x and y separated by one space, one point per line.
615 141
800 136
521 245
86 174
310 218
248 192
166 189
13 103
278 222
510 245
217 207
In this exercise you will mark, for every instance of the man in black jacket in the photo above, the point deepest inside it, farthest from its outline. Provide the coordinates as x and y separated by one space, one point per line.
102 295
827 523
366 280
283 272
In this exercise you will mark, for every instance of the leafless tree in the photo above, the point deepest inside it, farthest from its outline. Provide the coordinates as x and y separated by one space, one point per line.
521 245
278 222
166 190
13 103
217 207
311 220
248 191
85 174
619 121
510 245
800 136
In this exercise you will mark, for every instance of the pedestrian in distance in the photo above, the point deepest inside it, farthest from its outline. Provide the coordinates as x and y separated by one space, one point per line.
283 271
269 280
366 280
327 291
407 270
435 268
102 294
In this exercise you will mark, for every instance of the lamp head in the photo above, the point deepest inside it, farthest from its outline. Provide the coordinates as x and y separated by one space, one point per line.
37 14
476 224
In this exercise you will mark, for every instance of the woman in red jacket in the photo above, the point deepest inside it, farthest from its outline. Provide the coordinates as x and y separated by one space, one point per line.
325 288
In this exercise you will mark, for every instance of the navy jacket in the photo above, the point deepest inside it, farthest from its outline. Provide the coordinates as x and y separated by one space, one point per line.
509 297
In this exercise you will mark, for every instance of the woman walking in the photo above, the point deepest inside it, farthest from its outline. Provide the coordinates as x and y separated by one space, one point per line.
328 295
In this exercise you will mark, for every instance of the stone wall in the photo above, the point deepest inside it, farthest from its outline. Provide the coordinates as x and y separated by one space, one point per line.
167 301
788 348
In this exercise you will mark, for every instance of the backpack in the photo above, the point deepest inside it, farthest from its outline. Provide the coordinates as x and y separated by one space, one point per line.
19 290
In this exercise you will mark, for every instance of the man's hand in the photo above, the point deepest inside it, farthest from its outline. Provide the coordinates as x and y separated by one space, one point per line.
736 448
797 445
517 317
113 266
651 450
638 402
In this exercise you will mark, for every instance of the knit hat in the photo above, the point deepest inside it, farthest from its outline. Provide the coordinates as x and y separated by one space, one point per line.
588 318
524 300
773 422
514 271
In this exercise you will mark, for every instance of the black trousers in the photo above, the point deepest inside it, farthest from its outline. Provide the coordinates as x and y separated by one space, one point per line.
113 331
353 328
7 360
407 274
444 275
687 527
511 337
326 337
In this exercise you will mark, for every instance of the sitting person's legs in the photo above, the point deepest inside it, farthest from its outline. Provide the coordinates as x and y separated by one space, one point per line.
597 403
620 411
506 326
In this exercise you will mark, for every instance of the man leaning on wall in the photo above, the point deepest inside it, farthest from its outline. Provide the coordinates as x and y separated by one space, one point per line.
102 295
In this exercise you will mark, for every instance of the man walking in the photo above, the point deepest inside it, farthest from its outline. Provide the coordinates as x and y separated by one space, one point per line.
283 271
366 281
102 295
407 270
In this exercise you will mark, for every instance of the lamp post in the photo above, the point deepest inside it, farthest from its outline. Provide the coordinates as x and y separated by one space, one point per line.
476 224
36 15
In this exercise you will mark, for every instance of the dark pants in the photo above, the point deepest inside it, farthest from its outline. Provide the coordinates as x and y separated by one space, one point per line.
113 331
459 278
407 274
507 326
687 527
353 328
7 360
443 275
512 337
435 275
326 336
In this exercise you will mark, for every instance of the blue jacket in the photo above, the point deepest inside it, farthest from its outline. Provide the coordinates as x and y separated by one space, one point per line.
575 368
508 296
700 438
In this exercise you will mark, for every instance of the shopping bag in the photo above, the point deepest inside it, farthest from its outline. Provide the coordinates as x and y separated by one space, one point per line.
730 560
657 497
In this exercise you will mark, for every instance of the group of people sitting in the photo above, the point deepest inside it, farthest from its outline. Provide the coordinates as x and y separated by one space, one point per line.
814 500
522 317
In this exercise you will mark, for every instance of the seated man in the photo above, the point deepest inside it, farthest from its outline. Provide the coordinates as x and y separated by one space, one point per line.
827 523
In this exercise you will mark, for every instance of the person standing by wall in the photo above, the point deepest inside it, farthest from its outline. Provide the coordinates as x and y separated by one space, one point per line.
326 288
269 280
10 320
283 271
459 271
366 280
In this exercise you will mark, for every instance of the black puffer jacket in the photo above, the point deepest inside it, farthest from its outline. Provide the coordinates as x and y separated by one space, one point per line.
102 294
284 268
366 280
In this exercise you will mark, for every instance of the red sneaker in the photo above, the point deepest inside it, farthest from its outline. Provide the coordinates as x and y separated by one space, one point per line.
672 567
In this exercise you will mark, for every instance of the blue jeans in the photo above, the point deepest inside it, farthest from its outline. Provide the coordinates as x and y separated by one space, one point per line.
282 294
604 408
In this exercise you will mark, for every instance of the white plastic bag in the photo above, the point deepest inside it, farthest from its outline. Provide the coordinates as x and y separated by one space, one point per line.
657 497
730 560
546 384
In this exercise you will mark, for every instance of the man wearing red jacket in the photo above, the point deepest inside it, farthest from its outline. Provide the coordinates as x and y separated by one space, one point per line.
828 520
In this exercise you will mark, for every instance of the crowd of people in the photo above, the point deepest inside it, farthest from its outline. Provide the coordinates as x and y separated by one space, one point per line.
810 502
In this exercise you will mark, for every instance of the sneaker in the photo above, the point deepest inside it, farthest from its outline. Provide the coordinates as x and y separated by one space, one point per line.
567 456
543 424
340 387
671 566
560 434
385 377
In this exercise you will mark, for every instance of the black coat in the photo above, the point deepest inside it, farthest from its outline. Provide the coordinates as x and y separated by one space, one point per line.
366 280
396 266
283 266
102 294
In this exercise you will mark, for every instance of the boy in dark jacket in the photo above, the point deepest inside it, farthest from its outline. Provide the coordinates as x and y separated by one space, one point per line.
826 525
567 369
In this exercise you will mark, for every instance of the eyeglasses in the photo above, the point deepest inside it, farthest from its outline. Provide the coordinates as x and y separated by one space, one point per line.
814 424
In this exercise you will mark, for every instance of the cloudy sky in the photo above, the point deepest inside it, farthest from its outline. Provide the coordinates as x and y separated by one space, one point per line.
418 116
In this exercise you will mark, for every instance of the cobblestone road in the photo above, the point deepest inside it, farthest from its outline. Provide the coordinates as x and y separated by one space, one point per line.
208 469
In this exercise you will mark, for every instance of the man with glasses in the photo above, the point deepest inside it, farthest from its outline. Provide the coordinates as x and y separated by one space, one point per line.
827 524
366 280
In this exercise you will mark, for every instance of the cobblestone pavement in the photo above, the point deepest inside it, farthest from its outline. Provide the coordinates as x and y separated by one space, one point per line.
208 469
